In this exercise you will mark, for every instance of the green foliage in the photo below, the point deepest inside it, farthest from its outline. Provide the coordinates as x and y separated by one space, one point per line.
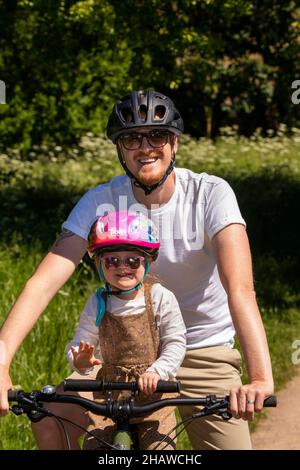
61 70
60 175
224 63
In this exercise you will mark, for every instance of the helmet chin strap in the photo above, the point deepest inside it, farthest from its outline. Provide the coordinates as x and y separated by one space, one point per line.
147 189
108 290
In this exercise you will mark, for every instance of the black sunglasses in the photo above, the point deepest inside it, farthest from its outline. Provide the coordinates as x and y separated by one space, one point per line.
132 262
156 139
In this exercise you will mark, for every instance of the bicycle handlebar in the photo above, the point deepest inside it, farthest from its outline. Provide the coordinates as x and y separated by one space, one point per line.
163 386
12 395
32 404
29 401
270 402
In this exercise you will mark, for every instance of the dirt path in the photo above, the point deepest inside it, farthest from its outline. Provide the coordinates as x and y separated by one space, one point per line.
281 428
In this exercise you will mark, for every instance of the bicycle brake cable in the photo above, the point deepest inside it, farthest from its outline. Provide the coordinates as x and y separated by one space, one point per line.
101 441
206 411
46 412
64 431
182 422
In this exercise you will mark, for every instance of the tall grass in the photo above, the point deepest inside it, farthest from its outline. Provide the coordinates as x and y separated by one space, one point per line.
36 196
41 359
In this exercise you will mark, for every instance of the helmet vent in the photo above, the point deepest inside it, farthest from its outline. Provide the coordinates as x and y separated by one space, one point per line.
143 113
159 113
127 115
143 109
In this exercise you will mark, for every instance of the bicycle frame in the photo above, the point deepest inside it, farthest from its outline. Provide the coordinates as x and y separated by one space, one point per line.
121 413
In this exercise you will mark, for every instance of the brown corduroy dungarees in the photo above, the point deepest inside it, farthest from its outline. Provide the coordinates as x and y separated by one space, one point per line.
129 345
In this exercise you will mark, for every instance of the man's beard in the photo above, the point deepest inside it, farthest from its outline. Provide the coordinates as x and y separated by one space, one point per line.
153 176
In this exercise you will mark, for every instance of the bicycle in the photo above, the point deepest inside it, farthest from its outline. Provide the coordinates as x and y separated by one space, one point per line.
124 438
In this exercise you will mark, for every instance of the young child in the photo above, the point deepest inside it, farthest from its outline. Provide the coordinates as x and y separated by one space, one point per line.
132 327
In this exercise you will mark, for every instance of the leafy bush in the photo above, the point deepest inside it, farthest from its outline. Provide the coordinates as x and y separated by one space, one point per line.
66 62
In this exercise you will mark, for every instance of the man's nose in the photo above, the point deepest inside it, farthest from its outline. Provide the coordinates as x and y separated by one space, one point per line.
145 144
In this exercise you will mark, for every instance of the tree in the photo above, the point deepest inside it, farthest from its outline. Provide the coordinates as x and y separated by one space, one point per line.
223 62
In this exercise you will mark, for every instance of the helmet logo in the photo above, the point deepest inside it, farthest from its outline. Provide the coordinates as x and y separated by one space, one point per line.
115 231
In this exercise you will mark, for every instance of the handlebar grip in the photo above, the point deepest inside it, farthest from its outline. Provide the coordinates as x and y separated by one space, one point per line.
271 401
168 387
87 385
82 385
12 395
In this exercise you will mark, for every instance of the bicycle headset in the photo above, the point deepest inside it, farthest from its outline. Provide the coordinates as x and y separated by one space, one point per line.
143 108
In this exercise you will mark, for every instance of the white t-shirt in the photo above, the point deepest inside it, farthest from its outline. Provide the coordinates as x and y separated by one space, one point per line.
200 206
172 332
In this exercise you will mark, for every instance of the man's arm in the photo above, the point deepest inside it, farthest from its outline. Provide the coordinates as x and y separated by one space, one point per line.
235 269
50 276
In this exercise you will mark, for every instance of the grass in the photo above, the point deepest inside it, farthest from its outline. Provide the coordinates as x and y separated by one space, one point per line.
41 359
26 187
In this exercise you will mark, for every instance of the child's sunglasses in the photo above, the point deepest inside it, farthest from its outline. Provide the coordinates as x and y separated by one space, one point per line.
132 262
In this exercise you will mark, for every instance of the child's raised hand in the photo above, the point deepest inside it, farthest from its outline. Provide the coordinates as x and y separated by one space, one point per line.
84 358
148 382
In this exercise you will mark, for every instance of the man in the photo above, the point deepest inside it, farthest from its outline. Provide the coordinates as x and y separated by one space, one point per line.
204 259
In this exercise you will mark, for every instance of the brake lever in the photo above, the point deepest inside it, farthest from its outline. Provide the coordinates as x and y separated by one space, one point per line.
214 406
31 408
225 414
17 410
36 416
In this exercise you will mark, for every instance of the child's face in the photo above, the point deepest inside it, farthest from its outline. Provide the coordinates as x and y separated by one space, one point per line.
120 268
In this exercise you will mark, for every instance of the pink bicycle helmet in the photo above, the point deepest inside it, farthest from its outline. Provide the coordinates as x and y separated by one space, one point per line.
123 230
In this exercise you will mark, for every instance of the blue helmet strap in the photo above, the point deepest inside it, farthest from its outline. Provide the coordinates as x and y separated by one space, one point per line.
147 267
101 307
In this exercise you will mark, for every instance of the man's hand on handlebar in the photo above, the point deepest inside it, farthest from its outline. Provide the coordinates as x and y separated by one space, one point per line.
249 398
5 385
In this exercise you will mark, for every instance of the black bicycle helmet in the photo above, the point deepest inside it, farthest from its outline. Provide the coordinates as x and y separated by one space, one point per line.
143 108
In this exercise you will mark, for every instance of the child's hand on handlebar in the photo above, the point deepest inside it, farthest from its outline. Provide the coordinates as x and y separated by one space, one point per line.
84 358
148 382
